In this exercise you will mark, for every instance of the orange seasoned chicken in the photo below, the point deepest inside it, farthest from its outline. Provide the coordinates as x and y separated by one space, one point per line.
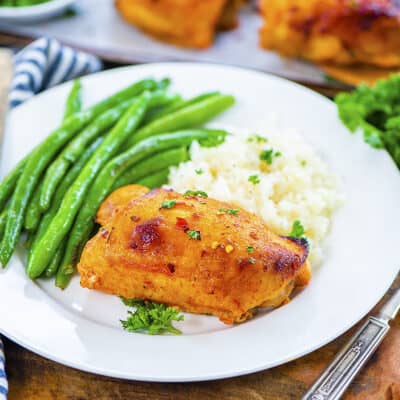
334 31
189 23
198 254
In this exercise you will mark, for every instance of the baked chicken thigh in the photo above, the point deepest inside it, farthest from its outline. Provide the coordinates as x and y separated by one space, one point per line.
198 254
334 31
189 23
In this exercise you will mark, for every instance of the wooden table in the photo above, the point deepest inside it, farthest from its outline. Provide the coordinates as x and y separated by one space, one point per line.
34 378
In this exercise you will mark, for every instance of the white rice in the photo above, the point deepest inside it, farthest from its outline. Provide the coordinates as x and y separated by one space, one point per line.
296 186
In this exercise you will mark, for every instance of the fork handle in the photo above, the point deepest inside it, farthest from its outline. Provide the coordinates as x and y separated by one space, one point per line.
338 376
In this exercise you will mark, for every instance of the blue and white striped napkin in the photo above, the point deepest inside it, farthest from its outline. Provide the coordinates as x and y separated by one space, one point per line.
45 63
3 377
41 65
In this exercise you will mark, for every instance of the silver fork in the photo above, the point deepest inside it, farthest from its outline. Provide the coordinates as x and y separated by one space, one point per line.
337 377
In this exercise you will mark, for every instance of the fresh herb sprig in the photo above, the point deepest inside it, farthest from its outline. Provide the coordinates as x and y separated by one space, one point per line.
376 112
151 318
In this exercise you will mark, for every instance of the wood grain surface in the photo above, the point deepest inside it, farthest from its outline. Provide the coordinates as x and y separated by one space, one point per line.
32 377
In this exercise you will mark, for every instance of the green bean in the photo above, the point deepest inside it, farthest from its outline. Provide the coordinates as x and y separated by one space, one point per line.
3 219
104 183
61 223
151 165
188 117
68 180
32 216
52 268
156 180
44 153
9 183
74 149
74 101
33 212
178 105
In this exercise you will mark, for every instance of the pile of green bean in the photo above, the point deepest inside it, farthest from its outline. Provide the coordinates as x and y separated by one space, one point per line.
133 136
21 3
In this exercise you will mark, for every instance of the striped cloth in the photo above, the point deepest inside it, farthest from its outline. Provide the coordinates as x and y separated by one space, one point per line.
3 378
41 65
45 63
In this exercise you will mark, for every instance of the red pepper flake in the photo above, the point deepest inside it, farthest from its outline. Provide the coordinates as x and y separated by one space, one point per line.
253 235
104 233
181 223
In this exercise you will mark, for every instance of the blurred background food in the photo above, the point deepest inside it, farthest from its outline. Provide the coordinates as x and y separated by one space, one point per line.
310 41
189 23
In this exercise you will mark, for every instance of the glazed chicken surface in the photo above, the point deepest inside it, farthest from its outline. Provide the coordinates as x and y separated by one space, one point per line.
188 23
198 254
342 32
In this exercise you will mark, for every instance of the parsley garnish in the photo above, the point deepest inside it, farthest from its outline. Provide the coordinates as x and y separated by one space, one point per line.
297 230
250 249
131 302
254 179
375 111
152 318
196 193
199 171
194 234
229 211
168 204
257 139
269 155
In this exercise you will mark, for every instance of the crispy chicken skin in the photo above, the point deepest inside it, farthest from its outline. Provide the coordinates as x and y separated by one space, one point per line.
232 264
341 32
188 23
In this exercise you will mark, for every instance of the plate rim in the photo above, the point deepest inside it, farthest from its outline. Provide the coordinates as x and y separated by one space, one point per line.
110 373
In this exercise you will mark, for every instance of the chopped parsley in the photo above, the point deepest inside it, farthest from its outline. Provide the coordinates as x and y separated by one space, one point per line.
303 163
254 179
194 234
257 139
168 204
230 211
250 249
252 260
152 318
199 171
269 155
195 193
297 230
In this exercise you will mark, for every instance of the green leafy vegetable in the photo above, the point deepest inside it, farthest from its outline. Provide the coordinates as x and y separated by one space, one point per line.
376 112
194 234
297 230
195 193
230 211
250 249
199 171
152 318
269 155
168 204
254 179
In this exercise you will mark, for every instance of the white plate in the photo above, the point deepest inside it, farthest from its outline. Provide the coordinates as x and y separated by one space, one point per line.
35 13
80 328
